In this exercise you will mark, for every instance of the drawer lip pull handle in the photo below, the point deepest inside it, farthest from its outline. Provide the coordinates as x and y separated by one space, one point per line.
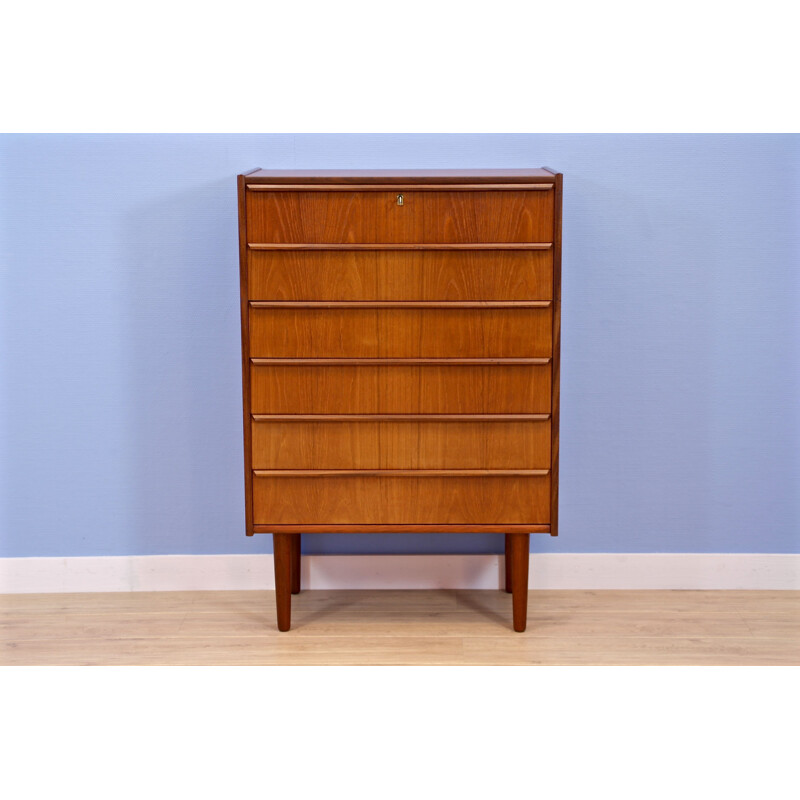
400 473
382 527
399 362
400 246
443 304
477 418
404 187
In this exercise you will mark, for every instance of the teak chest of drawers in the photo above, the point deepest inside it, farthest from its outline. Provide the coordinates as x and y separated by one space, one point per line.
400 357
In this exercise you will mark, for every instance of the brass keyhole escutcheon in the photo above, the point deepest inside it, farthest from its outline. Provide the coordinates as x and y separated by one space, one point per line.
399 199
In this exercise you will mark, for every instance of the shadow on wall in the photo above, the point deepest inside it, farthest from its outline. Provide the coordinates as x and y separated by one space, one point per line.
182 368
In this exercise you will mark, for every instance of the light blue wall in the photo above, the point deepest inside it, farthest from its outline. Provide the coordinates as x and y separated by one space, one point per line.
120 387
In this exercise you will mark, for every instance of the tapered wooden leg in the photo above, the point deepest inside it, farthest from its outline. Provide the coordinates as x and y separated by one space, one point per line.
295 563
508 564
520 554
282 549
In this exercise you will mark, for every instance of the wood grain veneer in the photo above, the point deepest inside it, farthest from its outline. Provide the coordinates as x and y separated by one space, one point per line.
375 217
400 389
556 364
244 293
401 500
427 275
400 346
397 332
401 444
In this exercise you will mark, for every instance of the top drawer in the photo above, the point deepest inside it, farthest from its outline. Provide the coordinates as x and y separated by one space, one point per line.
375 217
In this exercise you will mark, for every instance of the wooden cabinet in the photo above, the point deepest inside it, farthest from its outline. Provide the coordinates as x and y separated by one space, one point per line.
400 357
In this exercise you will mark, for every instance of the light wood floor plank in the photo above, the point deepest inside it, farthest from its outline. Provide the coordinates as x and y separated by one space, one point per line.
291 649
402 627
615 651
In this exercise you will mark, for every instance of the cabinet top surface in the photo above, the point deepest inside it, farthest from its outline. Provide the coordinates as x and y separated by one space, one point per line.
401 175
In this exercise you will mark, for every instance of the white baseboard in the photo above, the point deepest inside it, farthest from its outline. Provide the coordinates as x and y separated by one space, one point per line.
547 571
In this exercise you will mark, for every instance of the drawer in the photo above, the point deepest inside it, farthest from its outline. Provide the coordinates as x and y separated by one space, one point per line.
369 500
371 217
504 216
334 217
400 389
391 332
401 444
400 275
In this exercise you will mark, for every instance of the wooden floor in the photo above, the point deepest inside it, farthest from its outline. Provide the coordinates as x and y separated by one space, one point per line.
402 627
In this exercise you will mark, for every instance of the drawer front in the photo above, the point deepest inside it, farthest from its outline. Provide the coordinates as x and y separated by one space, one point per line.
404 444
354 332
360 500
335 217
401 275
506 216
396 389
431 217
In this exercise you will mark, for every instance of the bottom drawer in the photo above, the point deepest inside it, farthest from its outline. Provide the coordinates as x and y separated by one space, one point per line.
398 500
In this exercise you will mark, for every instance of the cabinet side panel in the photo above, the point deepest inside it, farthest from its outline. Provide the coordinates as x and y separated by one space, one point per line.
556 375
244 310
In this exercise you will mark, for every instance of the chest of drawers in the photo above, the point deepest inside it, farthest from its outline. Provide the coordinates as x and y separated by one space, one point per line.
400 358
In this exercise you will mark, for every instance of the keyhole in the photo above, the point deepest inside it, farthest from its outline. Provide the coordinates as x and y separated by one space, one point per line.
399 199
